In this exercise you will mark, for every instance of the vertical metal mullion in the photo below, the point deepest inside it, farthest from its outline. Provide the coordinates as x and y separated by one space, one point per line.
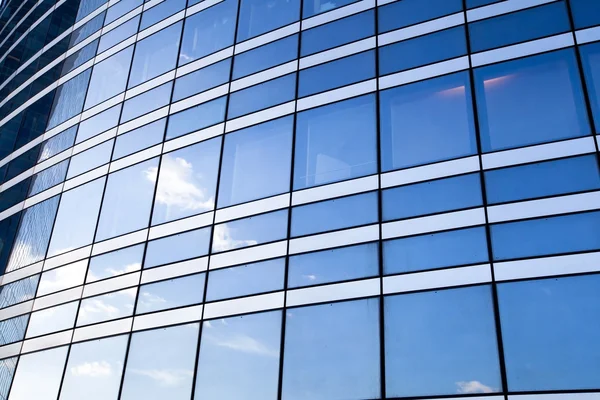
493 284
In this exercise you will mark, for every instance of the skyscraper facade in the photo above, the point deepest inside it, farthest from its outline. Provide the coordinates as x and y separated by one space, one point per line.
299 199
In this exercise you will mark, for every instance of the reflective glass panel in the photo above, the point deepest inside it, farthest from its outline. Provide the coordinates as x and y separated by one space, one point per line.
94 369
196 118
260 16
264 95
440 343
590 58
179 247
98 123
401 14
155 55
310 8
251 154
531 100
187 181
333 265
239 358
250 231
332 351
68 100
242 280
127 200
173 293
146 102
537 315
106 307
52 319
266 56
38 375
115 263
427 121
202 79
77 216
165 374
335 142
139 139
62 278
90 159
109 77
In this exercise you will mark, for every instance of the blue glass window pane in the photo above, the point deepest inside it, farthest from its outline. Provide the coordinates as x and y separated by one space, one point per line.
260 16
335 214
7 369
13 329
201 80
94 369
80 57
251 154
546 236
179 247
264 57
337 33
590 58
146 102
335 142
427 49
19 291
401 14
121 8
195 118
173 293
115 263
586 13
49 177
250 231
176 358
61 278
119 34
52 319
264 95
432 197
139 139
208 31
107 307
85 31
98 123
333 74
531 100
49 364
511 28
127 200
310 8
155 55
435 250
332 351
187 181
426 122
69 98
87 6
239 358
109 77
441 343
57 143
161 11
550 333
33 234
90 159
243 280
333 265
548 178
76 218
478 3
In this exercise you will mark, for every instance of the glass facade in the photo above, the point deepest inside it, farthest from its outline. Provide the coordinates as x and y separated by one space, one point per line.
299 200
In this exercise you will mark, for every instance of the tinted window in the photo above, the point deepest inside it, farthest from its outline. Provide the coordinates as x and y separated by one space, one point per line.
263 95
426 122
546 236
98 123
333 265
201 80
146 102
530 100
432 197
187 181
47 363
310 8
400 14
250 231
139 139
267 56
109 77
542 179
249 156
115 263
335 142
177 247
590 57
260 16
332 351
425 333
195 118
586 13
537 314
171 294
435 250
106 307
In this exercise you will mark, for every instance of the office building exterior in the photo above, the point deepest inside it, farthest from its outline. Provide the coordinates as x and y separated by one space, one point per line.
299 199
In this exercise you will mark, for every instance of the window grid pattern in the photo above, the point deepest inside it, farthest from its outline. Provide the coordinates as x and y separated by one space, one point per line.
304 223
